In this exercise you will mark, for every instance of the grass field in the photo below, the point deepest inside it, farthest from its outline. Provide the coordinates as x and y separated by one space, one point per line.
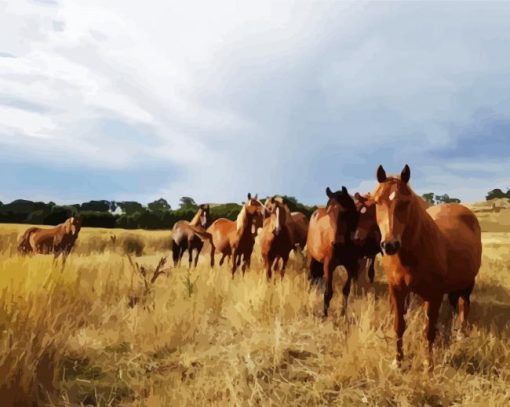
94 334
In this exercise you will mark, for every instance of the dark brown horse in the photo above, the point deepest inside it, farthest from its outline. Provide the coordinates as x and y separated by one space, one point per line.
367 237
330 243
57 241
190 236
236 239
276 240
430 252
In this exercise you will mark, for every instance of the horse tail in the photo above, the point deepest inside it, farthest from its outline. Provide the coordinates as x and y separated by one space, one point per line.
24 241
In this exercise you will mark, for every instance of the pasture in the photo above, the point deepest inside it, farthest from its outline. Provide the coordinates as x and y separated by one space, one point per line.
95 334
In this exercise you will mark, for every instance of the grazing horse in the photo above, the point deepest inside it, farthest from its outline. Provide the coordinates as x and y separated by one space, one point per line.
330 244
190 236
367 237
57 241
236 239
430 252
276 240
297 222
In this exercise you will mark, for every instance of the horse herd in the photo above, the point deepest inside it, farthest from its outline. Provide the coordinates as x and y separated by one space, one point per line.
427 251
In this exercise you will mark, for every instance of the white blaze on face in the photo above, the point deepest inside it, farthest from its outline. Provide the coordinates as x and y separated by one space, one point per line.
203 218
363 210
278 227
393 195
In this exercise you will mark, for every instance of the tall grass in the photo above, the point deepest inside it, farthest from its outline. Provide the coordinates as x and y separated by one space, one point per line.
72 336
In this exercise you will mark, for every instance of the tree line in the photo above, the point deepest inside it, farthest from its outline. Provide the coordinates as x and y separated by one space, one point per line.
122 214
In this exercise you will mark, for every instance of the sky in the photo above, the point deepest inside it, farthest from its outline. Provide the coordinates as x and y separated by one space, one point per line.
130 100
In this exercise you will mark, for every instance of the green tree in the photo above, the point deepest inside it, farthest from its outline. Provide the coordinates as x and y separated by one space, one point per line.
497 193
130 207
446 199
160 205
187 203
429 197
96 206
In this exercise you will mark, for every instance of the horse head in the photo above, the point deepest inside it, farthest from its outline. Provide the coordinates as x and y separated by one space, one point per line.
392 197
367 223
341 206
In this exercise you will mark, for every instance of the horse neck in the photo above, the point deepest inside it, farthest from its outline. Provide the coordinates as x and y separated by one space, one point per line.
422 229
196 218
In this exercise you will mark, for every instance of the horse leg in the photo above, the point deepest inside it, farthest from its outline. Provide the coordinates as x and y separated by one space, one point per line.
398 298
285 259
199 249
464 306
268 264
175 253
190 253
432 310
222 258
213 249
328 277
315 270
371 270
346 290
235 258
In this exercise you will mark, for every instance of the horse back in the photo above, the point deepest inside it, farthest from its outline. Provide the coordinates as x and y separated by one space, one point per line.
460 228
221 232
320 238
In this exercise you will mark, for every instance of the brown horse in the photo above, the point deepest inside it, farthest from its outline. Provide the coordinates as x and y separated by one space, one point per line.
330 243
430 252
276 239
190 236
367 237
236 239
297 222
57 241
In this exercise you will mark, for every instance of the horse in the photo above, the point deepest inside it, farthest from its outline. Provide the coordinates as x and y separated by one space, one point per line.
297 222
430 252
57 241
367 237
190 236
276 239
329 243
236 239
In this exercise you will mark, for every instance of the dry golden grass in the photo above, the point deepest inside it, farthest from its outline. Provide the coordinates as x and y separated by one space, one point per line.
70 337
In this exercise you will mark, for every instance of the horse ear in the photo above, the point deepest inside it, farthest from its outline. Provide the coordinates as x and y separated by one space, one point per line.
357 196
405 175
249 195
256 197
272 199
381 174
344 191
328 192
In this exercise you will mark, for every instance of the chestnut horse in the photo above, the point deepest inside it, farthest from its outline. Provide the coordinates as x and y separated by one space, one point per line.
190 236
367 237
276 239
297 222
236 239
57 241
330 243
430 252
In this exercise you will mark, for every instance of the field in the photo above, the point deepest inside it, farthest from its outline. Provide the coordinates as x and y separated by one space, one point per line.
94 333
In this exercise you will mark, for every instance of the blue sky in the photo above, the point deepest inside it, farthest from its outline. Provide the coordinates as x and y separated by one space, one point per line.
125 101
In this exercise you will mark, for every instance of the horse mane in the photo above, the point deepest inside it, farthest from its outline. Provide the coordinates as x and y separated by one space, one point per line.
241 219
196 218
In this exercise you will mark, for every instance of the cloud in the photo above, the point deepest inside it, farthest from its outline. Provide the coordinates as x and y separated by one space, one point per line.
213 100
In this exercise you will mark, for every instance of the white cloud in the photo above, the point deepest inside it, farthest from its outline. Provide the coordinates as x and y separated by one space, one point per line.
265 96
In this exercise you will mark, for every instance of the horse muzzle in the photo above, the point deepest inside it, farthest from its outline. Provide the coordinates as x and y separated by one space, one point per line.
391 247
